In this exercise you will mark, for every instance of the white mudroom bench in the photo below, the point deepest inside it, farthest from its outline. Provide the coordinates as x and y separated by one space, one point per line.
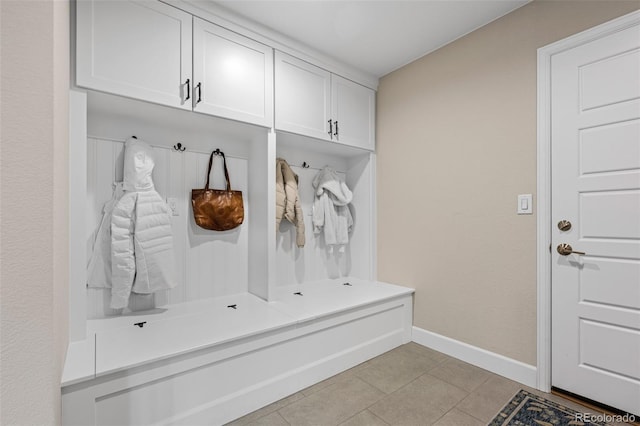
212 361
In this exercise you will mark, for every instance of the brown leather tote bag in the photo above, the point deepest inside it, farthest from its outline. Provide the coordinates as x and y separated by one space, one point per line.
217 209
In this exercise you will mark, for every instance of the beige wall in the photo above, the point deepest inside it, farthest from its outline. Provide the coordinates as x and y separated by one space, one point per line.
34 224
456 144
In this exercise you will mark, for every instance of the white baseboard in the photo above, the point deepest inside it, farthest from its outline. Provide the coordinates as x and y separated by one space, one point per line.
491 361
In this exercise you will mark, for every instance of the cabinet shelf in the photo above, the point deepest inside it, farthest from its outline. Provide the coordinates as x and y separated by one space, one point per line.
110 115
304 144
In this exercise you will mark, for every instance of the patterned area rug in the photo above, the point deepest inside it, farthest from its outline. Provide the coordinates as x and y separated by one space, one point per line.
527 409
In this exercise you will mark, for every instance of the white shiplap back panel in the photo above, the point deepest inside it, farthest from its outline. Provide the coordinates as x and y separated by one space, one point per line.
360 179
92 207
217 262
208 263
175 188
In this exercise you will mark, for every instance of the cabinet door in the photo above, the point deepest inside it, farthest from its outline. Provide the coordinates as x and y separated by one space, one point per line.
235 75
139 49
302 97
354 109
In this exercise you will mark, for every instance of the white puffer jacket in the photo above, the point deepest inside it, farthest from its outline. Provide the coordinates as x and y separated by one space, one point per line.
142 257
99 269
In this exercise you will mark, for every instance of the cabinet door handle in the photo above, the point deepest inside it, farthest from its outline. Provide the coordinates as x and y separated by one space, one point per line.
336 133
187 83
199 87
331 128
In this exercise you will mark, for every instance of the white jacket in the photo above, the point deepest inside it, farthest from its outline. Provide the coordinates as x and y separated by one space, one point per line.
99 269
142 258
330 208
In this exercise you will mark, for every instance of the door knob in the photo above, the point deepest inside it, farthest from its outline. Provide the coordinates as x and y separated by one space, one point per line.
565 250
564 225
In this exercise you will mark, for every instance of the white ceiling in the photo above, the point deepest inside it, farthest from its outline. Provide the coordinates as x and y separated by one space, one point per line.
374 36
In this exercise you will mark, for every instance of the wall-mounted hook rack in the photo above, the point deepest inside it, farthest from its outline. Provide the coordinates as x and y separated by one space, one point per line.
178 147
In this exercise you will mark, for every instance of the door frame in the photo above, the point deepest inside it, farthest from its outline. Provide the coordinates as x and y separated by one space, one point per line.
543 210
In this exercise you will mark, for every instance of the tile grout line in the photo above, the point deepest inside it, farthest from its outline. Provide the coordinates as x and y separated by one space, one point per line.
391 393
277 410
407 384
282 417
362 411
377 417
453 384
346 420
447 412
499 409
285 406
471 415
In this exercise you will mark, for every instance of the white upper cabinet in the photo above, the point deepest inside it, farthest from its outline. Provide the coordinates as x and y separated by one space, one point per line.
139 49
313 102
232 75
303 97
354 111
145 49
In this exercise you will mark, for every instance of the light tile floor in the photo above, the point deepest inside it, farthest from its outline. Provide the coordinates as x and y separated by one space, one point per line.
410 385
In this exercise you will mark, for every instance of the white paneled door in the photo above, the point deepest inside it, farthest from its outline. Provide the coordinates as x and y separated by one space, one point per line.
595 139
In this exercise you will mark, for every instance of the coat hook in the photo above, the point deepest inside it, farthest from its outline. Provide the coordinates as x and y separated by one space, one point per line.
179 147
218 152
305 165
134 137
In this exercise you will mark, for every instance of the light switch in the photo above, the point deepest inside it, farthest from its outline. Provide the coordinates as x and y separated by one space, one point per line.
525 204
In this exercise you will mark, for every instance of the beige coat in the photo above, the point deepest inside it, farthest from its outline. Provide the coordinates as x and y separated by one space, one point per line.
287 199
